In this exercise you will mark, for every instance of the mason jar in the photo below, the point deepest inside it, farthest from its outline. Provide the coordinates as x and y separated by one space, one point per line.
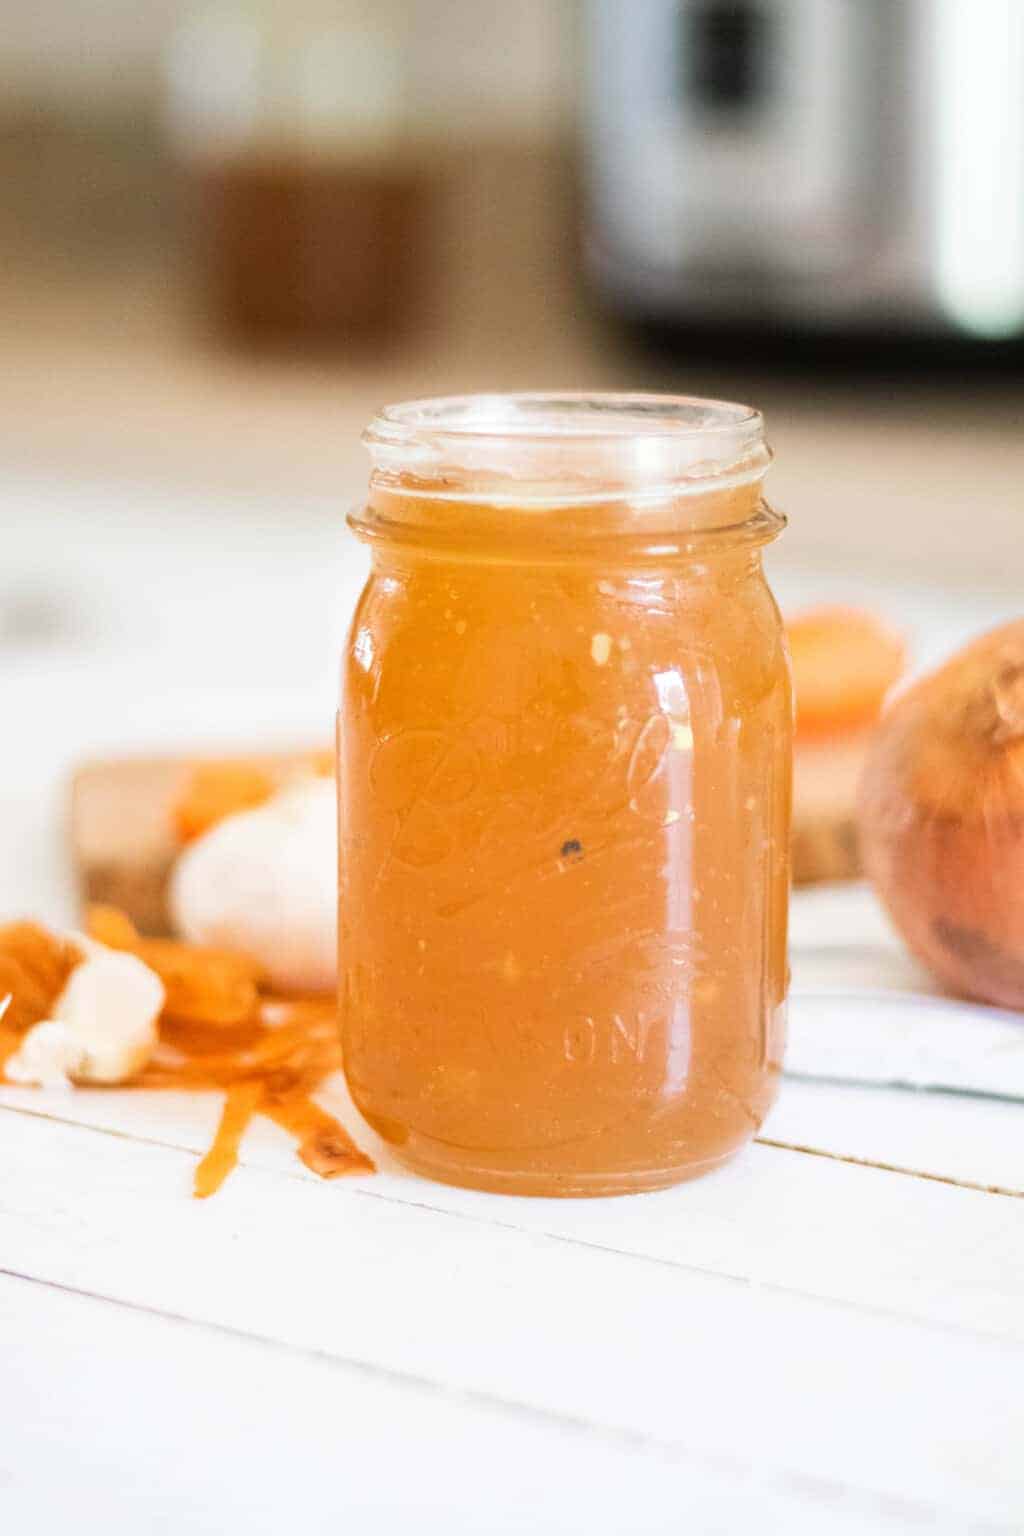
564 780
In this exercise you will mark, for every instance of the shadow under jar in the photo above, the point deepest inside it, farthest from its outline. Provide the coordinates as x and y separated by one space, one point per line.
564 778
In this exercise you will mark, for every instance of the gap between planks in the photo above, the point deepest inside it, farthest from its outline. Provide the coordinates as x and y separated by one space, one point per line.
728 1276
870 1162
803 1149
353 1363
829 1494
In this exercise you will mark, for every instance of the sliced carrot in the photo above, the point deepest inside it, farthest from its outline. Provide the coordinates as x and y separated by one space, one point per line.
240 1104
29 1002
110 926
323 763
34 967
845 660
203 985
208 986
217 790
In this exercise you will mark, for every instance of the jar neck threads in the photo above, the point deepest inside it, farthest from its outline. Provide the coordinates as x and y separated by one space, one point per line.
543 470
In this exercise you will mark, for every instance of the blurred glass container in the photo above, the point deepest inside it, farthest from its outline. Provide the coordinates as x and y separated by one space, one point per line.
311 199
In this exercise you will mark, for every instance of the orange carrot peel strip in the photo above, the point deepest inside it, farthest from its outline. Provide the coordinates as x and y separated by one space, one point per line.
240 1104
268 1055
324 1145
34 967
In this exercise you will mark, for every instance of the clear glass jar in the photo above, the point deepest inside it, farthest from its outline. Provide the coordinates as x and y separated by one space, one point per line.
564 757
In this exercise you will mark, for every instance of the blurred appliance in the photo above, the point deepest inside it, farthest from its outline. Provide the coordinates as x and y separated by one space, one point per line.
809 171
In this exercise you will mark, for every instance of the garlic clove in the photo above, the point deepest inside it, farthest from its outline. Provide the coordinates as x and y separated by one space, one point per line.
46 1058
103 1027
111 1005
265 882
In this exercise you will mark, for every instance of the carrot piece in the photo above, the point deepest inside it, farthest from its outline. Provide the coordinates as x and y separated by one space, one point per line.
240 1104
292 1049
217 790
204 985
324 1145
29 1002
323 763
845 660
208 986
110 926
198 1040
265 1053
34 967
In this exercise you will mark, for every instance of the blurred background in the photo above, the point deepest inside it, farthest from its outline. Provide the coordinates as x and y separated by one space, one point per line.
231 230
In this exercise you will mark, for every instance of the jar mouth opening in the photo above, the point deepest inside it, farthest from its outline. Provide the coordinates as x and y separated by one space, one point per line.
554 448
563 414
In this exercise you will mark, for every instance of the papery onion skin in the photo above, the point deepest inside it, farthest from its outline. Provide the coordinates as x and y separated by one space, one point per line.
941 817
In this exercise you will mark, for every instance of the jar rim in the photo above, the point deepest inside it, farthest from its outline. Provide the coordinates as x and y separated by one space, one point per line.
546 414
549 447
649 475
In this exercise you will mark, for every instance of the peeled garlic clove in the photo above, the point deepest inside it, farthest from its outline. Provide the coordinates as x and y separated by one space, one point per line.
111 1005
265 882
46 1058
104 1024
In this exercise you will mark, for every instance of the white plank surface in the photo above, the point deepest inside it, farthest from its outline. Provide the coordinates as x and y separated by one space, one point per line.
929 1251
199 1430
670 1351
969 1141
843 943
796 1343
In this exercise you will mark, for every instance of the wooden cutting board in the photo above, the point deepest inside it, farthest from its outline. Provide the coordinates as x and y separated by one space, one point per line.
123 840
123 837
825 779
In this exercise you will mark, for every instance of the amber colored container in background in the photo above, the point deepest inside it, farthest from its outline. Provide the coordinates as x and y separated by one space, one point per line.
564 778
317 251
310 199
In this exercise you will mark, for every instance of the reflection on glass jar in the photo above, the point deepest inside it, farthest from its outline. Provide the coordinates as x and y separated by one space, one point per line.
564 750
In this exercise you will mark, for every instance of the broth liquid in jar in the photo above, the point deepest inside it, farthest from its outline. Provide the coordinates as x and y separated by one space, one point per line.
564 777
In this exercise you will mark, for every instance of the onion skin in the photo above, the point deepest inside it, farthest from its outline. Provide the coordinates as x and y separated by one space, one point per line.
941 818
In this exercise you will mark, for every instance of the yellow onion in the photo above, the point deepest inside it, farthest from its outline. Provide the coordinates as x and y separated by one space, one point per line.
941 817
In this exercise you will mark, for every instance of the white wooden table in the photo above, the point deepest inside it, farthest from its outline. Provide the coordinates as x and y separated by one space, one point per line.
827 1336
